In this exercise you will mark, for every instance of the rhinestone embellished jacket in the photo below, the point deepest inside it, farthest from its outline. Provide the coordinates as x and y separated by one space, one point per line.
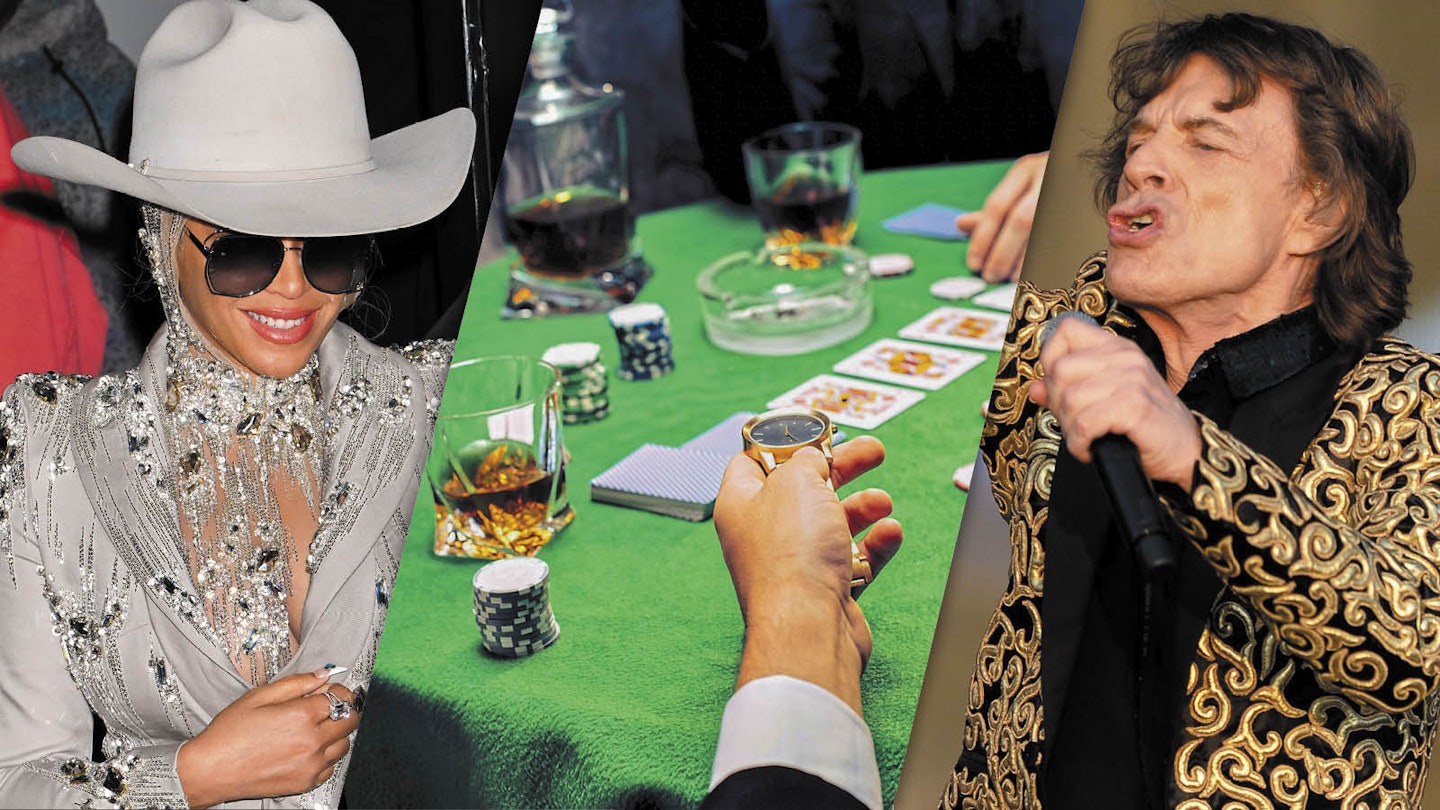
1314 681
98 610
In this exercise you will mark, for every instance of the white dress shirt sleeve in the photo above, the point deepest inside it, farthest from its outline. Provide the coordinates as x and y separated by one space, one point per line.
779 720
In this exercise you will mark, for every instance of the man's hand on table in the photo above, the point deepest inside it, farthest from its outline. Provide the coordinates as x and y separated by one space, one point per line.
786 540
1000 230
1098 383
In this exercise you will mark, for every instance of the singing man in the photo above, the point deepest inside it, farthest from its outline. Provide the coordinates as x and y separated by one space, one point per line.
1290 657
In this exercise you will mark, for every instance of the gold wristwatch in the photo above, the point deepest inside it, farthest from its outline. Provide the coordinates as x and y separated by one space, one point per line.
771 438
774 436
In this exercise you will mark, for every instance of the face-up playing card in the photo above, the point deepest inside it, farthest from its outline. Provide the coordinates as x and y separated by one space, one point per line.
958 326
849 402
932 220
913 364
998 298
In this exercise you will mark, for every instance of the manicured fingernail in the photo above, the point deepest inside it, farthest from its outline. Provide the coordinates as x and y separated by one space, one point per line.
330 671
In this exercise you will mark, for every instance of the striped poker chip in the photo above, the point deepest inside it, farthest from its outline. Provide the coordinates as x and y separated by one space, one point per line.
636 316
963 475
646 348
512 606
572 356
534 635
521 650
585 419
650 372
493 606
512 575
888 265
584 384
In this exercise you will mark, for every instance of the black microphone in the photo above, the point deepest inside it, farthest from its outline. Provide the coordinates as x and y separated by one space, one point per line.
1132 496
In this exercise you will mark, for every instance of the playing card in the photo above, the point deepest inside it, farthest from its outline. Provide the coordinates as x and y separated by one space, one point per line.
849 402
932 220
913 364
958 326
999 298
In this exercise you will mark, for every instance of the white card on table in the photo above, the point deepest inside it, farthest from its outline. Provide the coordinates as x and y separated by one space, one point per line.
849 402
958 326
998 298
914 364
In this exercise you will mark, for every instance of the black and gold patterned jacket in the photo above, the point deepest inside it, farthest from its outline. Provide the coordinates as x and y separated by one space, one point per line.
1314 681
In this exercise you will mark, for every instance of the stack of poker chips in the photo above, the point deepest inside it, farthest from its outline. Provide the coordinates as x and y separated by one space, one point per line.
644 334
584 388
512 607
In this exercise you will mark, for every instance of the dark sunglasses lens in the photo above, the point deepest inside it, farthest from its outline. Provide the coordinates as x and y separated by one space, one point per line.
337 264
243 265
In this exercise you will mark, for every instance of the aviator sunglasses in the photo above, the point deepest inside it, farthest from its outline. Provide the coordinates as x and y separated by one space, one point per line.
238 264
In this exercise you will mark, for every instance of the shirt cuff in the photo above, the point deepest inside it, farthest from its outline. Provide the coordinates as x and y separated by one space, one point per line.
779 720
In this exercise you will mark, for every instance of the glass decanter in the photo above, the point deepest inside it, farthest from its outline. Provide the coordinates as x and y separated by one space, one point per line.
565 188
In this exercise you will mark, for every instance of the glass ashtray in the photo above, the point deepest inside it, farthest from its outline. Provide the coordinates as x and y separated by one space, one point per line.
786 300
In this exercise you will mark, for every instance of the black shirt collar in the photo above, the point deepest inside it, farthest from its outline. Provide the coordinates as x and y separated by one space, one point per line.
1252 361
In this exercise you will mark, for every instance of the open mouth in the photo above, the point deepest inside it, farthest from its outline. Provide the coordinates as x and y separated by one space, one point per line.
276 323
1136 223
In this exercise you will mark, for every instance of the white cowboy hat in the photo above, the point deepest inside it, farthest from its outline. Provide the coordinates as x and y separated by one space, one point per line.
250 116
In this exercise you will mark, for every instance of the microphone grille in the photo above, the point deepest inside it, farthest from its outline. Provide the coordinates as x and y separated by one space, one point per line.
1054 323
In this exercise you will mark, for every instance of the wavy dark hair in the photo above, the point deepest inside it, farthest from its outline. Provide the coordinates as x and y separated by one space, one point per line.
1355 148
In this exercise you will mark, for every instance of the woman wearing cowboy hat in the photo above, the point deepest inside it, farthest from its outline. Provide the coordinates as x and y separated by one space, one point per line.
200 551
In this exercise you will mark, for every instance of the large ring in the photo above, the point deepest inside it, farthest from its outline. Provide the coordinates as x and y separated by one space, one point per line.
860 573
339 709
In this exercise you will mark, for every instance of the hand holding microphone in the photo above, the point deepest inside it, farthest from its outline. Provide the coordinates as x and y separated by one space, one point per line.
1116 411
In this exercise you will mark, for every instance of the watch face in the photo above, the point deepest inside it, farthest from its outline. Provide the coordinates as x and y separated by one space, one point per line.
787 430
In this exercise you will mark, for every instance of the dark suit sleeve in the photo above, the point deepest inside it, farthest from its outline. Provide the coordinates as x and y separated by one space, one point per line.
779 788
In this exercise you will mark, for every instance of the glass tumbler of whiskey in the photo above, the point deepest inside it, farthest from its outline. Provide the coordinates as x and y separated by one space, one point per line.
497 467
804 181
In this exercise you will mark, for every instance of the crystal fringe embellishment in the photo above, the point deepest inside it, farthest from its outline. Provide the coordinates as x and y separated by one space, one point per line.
231 447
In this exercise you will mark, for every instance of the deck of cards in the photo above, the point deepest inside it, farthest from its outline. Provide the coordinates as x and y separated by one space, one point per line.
676 481
679 481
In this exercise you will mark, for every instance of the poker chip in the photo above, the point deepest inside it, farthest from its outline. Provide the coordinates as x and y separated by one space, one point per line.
643 331
584 385
888 265
512 607
957 287
963 475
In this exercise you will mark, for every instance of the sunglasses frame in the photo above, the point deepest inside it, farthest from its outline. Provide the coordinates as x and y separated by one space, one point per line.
208 251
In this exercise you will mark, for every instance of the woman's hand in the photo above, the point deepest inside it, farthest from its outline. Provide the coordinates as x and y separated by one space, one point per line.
275 740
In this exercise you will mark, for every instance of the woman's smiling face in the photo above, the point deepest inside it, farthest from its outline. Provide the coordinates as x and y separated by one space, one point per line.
272 333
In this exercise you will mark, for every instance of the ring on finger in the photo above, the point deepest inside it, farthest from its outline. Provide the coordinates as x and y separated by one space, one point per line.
861 574
339 709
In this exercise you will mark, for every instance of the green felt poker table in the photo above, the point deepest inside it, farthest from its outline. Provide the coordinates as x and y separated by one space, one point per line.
623 710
